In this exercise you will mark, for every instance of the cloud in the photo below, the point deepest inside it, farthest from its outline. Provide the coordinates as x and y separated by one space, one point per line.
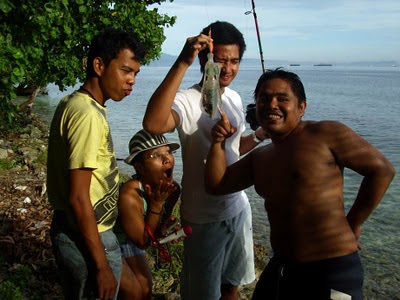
312 25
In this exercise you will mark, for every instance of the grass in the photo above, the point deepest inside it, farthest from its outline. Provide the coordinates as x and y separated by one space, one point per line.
16 284
166 274
41 159
6 164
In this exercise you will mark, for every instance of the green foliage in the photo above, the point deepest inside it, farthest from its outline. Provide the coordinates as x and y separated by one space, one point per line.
9 291
15 285
46 41
166 274
41 159
21 277
12 65
6 164
15 161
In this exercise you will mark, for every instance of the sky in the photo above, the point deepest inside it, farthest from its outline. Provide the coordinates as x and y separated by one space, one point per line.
296 30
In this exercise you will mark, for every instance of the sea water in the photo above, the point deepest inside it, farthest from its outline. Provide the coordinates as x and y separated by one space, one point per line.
367 99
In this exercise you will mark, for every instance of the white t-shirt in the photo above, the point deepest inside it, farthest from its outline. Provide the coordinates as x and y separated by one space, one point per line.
195 136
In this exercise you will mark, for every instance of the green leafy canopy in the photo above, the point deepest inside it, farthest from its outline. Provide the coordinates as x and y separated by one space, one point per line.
44 42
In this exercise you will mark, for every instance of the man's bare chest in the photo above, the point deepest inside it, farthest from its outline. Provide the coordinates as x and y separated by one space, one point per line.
283 170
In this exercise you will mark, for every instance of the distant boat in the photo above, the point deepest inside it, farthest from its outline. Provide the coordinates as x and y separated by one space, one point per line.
323 65
394 65
294 65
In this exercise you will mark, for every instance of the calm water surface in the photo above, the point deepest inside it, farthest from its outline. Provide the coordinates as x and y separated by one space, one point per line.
365 99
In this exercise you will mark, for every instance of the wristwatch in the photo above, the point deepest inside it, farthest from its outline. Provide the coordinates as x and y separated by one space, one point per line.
255 138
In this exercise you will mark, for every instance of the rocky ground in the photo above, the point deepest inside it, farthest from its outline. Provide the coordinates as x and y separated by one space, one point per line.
25 217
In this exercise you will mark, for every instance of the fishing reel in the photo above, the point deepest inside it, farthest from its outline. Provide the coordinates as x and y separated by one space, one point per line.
251 116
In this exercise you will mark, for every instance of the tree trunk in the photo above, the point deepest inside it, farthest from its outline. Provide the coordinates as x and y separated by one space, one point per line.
26 107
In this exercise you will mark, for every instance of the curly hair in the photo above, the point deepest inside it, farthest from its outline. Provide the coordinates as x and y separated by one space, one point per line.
108 44
223 33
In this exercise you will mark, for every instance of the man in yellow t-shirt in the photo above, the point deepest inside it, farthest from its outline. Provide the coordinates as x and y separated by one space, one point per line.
82 173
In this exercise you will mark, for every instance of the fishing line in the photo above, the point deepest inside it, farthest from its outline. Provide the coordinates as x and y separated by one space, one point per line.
205 8
253 11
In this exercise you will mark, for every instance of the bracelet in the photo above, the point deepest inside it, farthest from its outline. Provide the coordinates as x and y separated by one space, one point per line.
153 212
255 138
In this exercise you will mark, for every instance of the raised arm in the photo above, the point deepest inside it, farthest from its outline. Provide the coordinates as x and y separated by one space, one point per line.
159 117
82 208
355 153
220 179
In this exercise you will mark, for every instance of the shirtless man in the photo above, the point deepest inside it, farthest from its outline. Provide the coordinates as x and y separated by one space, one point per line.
300 176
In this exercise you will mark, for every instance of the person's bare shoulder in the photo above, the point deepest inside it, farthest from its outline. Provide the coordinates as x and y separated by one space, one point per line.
324 127
129 192
329 131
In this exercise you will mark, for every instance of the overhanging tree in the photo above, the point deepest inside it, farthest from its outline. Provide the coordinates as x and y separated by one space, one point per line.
44 42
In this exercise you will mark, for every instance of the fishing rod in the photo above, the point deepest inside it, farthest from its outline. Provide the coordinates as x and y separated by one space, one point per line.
258 32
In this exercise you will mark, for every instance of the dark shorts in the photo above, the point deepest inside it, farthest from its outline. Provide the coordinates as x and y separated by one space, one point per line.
332 278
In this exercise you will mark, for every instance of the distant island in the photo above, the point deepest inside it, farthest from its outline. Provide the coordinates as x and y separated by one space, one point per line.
167 60
323 65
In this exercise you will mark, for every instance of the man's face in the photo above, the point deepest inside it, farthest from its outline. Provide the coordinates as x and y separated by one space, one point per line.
278 109
227 56
117 79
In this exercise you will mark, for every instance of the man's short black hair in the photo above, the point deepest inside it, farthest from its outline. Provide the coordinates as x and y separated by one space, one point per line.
279 73
108 44
223 33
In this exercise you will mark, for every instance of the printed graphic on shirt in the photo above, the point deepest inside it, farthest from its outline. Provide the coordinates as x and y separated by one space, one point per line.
105 209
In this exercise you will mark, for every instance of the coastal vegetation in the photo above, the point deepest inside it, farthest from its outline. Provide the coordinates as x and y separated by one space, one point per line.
42 44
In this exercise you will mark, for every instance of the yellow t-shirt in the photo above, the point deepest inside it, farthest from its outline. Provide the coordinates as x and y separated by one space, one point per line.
80 137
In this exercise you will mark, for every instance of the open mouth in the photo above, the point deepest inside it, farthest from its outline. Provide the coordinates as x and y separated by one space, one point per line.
168 173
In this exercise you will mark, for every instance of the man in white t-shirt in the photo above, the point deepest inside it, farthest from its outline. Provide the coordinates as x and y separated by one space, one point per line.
218 256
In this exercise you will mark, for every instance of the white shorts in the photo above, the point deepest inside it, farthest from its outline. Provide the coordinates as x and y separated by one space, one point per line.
218 253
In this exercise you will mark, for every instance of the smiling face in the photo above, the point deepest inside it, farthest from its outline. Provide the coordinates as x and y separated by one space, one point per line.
278 108
156 164
227 56
116 79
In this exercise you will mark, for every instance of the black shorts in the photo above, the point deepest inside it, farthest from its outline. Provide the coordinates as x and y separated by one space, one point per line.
314 280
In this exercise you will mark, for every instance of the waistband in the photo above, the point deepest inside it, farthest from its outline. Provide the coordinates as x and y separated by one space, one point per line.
345 260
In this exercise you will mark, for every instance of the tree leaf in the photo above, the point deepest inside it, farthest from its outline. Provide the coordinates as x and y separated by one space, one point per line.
18 72
6 6
82 9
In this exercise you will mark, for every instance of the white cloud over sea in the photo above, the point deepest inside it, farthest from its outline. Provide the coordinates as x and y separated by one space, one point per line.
335 31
